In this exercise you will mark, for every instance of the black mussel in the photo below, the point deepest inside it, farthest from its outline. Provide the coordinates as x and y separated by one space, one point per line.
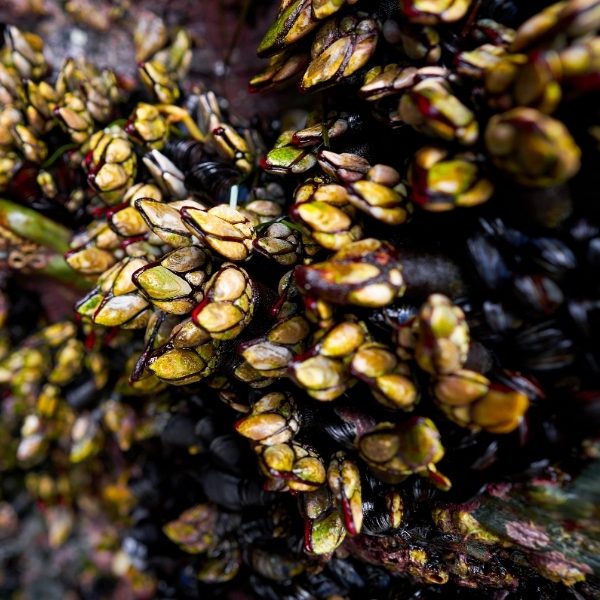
544 347
538 294
488 261
231 492
345 424
553 256
213 181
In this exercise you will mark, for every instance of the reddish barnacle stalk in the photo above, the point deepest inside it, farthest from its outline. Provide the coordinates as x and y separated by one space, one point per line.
365 273
228 304
273 419
266 359
395 452
226 230
471 400
324 530
440 182
535 149
434 13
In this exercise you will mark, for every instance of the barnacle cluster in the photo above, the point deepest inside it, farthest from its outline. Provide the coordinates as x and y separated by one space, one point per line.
354 357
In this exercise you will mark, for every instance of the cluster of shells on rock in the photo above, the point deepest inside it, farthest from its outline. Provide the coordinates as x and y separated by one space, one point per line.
348 352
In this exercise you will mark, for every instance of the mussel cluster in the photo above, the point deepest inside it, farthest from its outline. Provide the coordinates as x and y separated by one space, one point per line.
350 352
